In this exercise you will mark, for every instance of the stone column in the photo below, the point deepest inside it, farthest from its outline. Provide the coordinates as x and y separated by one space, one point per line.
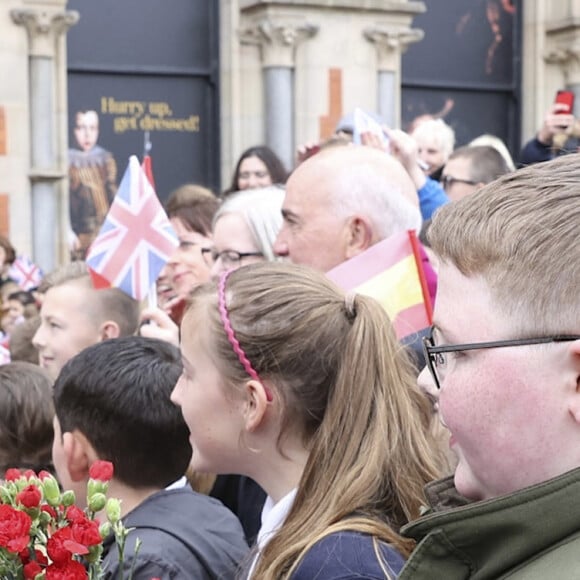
391 42
278 41
562 42
568 59
44 27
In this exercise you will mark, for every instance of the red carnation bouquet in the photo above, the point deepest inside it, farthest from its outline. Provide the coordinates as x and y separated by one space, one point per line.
45 536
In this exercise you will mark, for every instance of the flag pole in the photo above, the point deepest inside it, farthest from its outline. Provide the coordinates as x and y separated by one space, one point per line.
419 263
147 145
152 296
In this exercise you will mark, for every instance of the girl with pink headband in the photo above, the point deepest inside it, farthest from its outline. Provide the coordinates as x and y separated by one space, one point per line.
308 392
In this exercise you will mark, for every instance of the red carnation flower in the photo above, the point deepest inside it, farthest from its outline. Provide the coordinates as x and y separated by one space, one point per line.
61 546
101 470
74 514
14 529
31 570
29 497
29 473
86 532
12 474
43 474
70 570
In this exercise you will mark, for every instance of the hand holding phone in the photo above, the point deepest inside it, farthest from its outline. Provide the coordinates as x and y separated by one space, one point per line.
566 100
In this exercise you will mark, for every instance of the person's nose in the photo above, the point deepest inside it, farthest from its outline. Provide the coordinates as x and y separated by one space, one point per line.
252 181
217 268
280 244
173 260
428 386
38 340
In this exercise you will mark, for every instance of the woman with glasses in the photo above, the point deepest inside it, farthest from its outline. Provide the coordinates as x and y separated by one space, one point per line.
245 227
191 209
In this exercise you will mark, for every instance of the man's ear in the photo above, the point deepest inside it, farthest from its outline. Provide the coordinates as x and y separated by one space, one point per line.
359 235
255 405
79 454
109 329
574 406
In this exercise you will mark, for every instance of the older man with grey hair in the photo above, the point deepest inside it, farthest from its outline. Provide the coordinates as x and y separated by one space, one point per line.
342 201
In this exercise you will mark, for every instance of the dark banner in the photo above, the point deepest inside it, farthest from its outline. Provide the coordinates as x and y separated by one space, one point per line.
140 77
466 69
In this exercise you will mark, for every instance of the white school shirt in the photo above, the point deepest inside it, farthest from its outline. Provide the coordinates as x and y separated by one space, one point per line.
273 516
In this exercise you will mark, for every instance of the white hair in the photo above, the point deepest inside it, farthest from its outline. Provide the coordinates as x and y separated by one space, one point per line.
361 189
261 209
438 130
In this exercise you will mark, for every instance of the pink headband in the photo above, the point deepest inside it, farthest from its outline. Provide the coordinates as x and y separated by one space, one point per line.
231 335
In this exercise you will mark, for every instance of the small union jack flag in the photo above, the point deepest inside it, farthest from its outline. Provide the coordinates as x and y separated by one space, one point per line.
25 273
136 239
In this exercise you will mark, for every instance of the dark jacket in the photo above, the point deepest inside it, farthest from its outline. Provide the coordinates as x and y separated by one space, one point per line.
184 535
347 556
245 498
531 534
534 151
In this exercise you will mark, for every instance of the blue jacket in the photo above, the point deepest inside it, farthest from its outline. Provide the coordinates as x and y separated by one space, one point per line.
347 556
431 196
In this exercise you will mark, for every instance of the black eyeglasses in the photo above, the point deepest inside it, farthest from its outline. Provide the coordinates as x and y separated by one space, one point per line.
184 245
447 181
231 257
439 364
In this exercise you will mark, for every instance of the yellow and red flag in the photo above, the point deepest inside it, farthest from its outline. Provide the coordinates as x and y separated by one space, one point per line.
391 272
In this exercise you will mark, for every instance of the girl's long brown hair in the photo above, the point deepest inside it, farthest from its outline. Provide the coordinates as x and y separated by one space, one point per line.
346 384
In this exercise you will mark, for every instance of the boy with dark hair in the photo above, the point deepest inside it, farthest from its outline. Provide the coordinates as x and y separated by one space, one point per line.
112 403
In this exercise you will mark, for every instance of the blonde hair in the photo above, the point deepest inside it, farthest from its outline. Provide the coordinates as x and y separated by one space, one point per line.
104 304
520 233
347 387
497 144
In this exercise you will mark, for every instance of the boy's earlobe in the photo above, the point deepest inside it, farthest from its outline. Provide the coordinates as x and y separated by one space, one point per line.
78 452
109 329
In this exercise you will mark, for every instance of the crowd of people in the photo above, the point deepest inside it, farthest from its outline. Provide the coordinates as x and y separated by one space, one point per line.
264 424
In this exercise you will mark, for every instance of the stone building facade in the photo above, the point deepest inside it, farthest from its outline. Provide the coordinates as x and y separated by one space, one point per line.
288 70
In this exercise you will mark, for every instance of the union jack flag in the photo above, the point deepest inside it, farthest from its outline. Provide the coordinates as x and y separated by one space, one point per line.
25 272
136 239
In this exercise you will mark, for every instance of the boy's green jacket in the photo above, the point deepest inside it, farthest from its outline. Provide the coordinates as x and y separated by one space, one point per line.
532 534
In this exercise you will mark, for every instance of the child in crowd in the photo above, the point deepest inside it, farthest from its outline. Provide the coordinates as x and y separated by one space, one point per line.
18 307
112 402
74 315
21 347
289 382
26 415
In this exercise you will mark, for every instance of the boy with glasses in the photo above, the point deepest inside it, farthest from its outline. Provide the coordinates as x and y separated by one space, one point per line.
504 358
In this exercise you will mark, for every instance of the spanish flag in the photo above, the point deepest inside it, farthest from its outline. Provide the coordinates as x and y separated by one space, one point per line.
392 273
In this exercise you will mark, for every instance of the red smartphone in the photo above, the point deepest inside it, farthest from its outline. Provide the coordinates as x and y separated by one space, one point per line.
565 98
